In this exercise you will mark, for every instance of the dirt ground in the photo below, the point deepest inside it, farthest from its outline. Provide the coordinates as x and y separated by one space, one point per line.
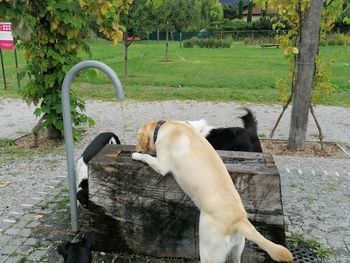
274 147
312 149
27 141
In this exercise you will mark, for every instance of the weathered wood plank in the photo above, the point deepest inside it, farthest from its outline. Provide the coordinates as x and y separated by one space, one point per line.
134 209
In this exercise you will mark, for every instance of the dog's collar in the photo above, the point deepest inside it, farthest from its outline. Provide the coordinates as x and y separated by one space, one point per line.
156 130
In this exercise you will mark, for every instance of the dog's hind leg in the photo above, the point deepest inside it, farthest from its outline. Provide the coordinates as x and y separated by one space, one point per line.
155 163
237 249
213 245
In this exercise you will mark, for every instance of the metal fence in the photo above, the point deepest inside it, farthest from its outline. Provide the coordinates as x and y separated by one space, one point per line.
235 35
243 34
177 35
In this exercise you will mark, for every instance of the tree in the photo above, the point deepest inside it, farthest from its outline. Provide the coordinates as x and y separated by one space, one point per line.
165 13
264 11
216 11
52 34
205 14
206 11
175 15
240 9
301 47
309 41
183 16
230 11
158 15
198 22
138 21
250 12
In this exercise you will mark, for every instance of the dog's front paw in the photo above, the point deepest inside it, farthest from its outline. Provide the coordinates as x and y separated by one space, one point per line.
137 156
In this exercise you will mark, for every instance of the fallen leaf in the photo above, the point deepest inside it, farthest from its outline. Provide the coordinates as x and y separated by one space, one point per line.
4 184
37 217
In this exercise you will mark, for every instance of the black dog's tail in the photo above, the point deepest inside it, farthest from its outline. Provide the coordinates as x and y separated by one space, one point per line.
249 121
82 165
98 143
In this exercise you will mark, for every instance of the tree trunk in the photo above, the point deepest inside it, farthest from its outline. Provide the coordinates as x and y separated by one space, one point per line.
306 67
180 39
125 40
53 133
166 42
157 35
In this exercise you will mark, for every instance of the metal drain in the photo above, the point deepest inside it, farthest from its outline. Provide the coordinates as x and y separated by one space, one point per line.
303 254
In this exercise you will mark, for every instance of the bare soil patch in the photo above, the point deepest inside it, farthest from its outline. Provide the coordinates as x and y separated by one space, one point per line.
312 149
27 141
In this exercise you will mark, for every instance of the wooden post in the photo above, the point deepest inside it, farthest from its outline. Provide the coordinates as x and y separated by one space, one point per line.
134 209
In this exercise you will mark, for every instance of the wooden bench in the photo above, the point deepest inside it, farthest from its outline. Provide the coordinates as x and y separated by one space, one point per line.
270 45
135 210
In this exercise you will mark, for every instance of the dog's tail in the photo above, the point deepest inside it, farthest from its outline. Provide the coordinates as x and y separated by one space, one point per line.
91 150
98 143
249 121
82 183
82 165
276 252
82 171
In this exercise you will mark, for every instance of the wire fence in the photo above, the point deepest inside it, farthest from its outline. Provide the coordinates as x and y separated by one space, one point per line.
244 34
236 35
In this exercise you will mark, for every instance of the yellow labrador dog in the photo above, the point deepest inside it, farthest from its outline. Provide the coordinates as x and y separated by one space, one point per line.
199 170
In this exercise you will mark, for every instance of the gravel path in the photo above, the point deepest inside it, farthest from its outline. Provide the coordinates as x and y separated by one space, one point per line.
16 117
31 177
25 175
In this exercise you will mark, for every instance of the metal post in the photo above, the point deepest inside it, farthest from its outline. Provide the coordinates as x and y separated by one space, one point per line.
3 68
67 124
16 61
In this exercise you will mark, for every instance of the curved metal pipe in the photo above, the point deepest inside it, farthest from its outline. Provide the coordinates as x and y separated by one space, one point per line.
68 130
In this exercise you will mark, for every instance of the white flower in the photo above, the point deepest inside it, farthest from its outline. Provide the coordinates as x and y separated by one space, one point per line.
295 50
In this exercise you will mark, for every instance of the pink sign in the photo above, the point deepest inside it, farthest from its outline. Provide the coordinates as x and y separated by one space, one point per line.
6 38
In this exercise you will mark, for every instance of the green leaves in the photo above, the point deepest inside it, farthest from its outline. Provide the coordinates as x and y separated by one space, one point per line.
53 33
55 55
37 112
291 15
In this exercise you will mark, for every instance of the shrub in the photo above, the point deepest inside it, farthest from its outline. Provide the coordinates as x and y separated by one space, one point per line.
188 43
336 39
208 43
226 42
259 41
264 23
238 24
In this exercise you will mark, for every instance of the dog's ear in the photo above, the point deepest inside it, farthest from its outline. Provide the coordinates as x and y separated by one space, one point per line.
63 248
144 142
88 240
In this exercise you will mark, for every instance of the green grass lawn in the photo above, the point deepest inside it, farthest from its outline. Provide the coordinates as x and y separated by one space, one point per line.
241 73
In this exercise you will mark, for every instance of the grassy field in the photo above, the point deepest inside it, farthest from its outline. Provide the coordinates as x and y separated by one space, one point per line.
241 73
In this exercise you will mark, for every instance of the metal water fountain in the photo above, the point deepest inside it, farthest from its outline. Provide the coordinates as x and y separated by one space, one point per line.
68 130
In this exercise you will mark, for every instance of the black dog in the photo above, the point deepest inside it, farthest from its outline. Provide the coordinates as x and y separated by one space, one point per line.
82 169
77 252
233 138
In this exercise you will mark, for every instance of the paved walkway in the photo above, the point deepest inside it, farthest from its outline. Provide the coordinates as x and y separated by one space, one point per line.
316 205
316 192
